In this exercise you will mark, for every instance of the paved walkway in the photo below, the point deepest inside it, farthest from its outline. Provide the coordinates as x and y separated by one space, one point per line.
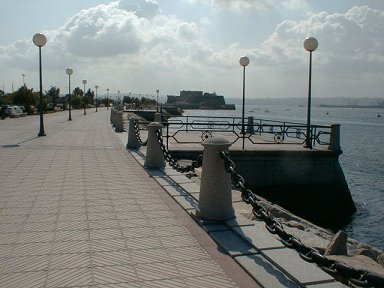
77 210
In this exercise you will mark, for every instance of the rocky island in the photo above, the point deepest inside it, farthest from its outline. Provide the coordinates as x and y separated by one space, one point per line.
199 100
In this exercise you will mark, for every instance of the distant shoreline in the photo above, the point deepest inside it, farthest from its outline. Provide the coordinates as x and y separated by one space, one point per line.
351 106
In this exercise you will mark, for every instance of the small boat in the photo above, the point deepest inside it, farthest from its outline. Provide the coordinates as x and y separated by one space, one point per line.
378 115
266 110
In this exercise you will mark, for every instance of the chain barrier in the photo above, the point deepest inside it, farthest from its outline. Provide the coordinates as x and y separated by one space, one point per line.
340 271
173 163
137 131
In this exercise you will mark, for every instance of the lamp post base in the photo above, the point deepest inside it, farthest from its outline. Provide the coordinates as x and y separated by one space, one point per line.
42 133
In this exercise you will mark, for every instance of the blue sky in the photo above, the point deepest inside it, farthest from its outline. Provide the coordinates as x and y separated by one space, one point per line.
139 46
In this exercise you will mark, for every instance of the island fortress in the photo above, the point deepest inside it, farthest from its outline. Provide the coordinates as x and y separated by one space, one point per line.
199 100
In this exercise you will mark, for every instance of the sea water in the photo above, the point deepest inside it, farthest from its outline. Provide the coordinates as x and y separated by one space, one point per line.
362 160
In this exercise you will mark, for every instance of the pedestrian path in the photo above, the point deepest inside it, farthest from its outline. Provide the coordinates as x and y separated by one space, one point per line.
77 210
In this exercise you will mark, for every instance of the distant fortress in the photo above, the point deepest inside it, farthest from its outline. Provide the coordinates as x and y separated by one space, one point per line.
199 100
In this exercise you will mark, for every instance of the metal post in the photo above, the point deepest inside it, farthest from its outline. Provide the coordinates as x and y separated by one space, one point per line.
69 104
308 140
42 132
242 113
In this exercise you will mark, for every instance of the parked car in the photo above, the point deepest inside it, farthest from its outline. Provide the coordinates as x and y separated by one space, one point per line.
14 111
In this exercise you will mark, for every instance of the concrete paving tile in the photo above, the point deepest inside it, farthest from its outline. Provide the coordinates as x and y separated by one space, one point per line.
150 255
233 244
67 261
26 263
214 281
187 202
25 280
178 241
109 233
70 247
111 258
170 283
156 271
290 261
239 220
69 277
201 267
138 232
114 274
190 187
143 243
328 285
258 236
107 245
181 179
264 271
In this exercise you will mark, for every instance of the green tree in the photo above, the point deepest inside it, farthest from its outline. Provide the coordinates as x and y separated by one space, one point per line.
53 95
25 97
76 101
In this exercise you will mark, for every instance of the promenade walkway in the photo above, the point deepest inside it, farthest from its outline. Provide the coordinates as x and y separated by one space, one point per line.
77 210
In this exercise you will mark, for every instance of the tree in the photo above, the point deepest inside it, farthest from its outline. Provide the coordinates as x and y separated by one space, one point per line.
25 97
53 95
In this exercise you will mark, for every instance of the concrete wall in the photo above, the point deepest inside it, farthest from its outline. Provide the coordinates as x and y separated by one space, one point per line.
311 184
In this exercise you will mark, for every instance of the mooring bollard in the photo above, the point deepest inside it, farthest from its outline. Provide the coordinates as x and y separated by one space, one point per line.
155 157
157 117
334 139
119 125
250 128
215 199
133 142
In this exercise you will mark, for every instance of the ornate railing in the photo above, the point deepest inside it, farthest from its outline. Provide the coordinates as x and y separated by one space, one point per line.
195 129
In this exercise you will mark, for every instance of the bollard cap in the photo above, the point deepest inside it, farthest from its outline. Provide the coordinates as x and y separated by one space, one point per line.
216 142
155 124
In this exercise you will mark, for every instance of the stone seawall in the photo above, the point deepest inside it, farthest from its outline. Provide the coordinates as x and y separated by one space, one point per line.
310 184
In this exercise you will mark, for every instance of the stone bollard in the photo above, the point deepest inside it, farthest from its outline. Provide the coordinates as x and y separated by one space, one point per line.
155 157
215 199
157 117
334 139
119 124
250 128
133 142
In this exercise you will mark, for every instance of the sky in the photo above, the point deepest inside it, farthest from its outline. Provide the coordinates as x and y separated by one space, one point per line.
139 46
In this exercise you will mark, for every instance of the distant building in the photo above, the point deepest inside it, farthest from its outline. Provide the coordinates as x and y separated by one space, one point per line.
199 100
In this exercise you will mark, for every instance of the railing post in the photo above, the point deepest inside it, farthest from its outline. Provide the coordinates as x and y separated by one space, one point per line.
119 122
250 128
215 199
133 142
155 157
334 141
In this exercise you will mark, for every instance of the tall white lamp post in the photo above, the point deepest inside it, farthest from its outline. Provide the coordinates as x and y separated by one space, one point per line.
85 111
244 61
107 98
96 87
69 72
310 44
40 40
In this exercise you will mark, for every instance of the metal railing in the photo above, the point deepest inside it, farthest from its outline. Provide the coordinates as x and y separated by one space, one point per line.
258 131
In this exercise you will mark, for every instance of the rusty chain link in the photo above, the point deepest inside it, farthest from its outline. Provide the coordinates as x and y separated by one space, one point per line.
137 131
340 271
173 163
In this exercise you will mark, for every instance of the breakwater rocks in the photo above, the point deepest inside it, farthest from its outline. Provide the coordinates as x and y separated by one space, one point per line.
335 246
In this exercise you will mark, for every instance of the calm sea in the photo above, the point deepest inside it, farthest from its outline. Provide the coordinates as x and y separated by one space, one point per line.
362 137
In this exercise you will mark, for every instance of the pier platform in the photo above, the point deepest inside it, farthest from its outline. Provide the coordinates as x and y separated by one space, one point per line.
79 210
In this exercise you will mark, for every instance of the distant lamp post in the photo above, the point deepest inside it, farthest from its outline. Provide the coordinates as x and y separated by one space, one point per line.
84 97
244 61
310 44
96 87
107 98
40 40
69 72
157 101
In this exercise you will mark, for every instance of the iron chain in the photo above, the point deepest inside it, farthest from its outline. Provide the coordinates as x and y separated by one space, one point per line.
137 131
340 271
173 163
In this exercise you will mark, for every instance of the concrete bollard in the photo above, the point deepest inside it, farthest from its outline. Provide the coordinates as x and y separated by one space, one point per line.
334 139
133 142
215 199
250 128
157 117
155 157
119 124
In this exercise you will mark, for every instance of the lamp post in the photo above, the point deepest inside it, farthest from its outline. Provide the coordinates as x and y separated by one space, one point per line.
85 111
244 61
69 72
157 101
107 98
310 44
96 87
40 40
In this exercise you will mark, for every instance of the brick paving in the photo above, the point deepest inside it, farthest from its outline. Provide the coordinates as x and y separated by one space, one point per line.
77 210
